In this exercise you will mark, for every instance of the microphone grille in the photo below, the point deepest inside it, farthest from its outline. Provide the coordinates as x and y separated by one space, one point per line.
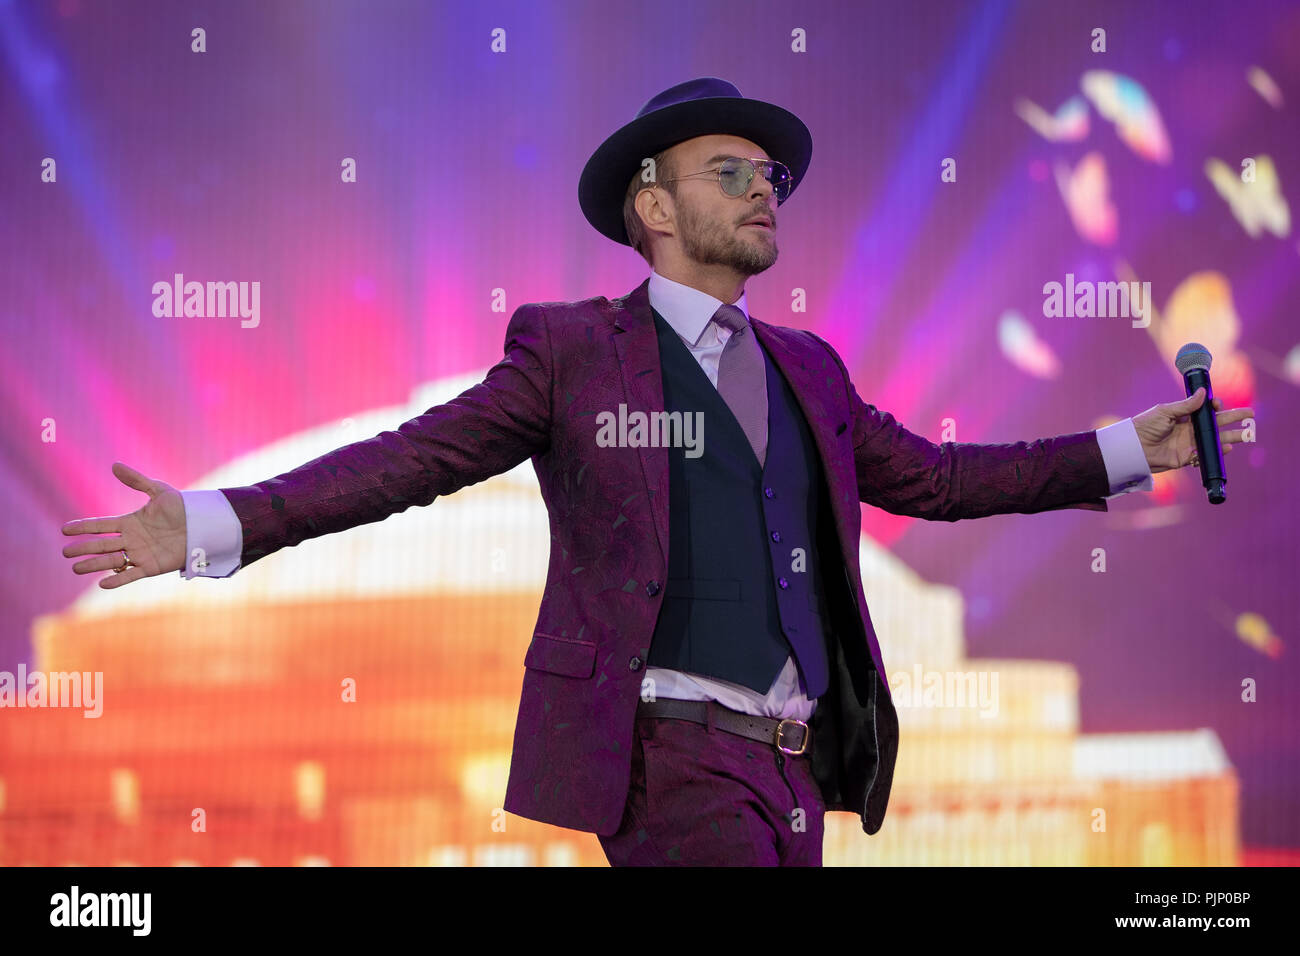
1192 355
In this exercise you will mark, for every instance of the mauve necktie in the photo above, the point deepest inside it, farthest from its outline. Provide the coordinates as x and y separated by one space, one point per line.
742 379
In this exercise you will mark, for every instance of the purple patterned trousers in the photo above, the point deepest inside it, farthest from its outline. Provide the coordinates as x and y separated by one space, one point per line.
702 796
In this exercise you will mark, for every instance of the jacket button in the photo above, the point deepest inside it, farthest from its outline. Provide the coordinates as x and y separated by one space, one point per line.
652 588
776 535
769 492
634 664
783 582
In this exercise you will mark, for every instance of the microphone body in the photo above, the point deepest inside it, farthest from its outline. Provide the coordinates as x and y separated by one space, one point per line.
1194 363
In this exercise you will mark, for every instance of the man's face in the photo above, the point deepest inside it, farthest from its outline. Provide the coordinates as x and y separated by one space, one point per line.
712 225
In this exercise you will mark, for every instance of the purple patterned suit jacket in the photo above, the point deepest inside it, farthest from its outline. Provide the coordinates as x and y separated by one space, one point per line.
563 364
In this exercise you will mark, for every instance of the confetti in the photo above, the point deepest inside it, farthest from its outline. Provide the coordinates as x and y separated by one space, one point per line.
1263 84
1125 103
1086 191
1068 125
1255 205
1024 349
1292 365
1255 631
1201 310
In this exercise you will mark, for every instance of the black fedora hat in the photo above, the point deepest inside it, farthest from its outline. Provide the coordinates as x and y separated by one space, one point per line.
701 107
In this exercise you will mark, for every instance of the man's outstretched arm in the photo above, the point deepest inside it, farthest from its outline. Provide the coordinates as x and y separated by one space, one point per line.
486 430
905 473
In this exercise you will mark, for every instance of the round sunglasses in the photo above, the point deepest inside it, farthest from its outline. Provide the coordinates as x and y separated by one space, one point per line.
735 174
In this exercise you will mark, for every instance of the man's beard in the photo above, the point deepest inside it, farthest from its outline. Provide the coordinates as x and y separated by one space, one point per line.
710 243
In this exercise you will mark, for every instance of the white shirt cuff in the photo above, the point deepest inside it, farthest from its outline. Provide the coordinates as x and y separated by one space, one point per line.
1126 462
212 528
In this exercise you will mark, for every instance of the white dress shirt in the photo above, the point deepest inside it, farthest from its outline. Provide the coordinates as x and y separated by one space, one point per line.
211 523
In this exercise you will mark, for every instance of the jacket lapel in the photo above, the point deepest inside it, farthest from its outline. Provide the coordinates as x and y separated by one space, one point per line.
812 396
637 345
813 378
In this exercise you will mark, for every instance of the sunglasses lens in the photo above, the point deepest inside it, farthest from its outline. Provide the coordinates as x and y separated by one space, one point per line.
735 176
779 177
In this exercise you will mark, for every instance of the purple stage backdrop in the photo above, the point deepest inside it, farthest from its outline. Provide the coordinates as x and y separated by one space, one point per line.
965 156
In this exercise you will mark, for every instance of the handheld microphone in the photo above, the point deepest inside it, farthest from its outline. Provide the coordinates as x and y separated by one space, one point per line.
1193 361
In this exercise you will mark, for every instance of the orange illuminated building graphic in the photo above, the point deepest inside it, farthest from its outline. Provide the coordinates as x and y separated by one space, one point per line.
352 701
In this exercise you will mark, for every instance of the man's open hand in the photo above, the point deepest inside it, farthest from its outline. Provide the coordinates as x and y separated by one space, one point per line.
1166 431
153 537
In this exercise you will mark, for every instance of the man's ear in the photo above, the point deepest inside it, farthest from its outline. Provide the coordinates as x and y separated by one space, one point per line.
654 206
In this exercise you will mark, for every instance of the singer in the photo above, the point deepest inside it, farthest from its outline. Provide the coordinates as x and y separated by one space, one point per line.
704 681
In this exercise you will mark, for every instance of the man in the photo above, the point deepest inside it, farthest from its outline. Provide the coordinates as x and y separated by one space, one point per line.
704 680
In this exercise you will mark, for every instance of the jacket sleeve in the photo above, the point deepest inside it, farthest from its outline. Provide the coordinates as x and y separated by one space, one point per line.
906 474
487 429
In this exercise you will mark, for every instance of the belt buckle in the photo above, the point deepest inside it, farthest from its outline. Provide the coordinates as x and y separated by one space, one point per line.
803 744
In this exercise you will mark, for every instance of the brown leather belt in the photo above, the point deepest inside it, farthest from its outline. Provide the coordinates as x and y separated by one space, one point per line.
789 736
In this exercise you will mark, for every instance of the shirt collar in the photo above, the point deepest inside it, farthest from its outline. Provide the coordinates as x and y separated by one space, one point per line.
686 309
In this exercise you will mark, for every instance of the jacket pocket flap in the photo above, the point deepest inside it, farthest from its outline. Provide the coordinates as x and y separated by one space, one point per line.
561 655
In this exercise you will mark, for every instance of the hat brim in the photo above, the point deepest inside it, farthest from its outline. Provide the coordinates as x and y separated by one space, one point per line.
604 181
